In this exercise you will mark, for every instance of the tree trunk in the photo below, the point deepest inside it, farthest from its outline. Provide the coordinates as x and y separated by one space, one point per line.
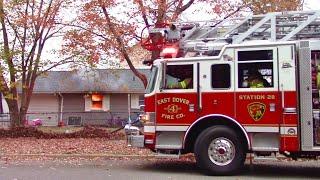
15 116
155 55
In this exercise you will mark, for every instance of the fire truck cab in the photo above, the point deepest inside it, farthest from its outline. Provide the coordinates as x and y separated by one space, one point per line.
222 100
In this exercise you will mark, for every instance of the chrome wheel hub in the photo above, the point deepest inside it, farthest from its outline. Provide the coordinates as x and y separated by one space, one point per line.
221 151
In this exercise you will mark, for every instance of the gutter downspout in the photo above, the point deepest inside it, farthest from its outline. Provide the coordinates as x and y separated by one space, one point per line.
1 105
129 108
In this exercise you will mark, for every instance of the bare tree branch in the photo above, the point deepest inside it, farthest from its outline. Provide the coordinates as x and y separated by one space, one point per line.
86 29
61 62
121 45
143 12
184 7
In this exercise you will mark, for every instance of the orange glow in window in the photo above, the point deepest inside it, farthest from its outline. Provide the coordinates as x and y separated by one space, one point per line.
96 97
96 100
97 105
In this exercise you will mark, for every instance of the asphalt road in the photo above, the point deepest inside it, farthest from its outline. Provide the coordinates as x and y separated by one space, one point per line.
154 170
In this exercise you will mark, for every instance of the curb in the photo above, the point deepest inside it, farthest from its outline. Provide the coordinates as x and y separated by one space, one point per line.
79 155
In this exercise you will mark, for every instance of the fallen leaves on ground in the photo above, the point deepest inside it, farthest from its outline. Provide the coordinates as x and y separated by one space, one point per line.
86 132
70 146
66 146
30 145
88 145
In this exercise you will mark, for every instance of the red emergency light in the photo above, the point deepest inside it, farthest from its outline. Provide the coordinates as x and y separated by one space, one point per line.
170 51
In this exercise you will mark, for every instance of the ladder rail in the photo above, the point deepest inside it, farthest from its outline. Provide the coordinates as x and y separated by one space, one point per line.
220 26
301 26
274 26
235 27
243 36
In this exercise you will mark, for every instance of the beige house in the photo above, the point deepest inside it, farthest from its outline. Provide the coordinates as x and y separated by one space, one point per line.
100 97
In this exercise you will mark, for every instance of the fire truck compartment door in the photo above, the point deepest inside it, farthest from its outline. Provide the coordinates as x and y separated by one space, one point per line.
308 113
217 88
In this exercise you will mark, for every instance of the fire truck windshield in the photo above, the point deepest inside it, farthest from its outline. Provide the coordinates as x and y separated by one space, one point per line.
152 80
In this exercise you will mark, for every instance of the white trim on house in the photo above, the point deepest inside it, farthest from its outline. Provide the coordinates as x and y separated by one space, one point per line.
87 103
106 102
135 101
5 106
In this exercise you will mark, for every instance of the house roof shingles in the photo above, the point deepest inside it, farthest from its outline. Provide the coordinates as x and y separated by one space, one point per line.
101 80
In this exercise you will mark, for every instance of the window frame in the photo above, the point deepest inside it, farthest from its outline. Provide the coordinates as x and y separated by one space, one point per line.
100 101
135 101
274 62
88 103
194 80
151 86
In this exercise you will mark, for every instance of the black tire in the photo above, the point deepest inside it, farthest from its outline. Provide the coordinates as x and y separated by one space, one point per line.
227 146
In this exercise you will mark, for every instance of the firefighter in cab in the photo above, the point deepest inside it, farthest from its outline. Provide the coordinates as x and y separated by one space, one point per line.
175 83
179 77
255 80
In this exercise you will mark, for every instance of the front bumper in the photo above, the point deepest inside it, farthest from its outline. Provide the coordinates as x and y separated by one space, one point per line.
134 138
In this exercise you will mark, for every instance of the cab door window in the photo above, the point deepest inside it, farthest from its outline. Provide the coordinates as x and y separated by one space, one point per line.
255 69
255 75
179 77
220 76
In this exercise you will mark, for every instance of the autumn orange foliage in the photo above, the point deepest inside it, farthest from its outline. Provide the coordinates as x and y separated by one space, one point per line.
26 28
265 6
107 29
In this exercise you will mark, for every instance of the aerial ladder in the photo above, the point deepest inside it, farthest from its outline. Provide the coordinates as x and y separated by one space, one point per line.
275 26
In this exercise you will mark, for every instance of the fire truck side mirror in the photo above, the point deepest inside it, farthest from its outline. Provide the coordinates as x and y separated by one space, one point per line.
163 75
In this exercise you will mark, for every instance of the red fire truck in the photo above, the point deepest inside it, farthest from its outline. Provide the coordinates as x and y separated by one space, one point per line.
253 88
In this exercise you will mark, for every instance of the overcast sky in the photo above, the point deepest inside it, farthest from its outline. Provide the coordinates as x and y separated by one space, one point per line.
197 12
311 5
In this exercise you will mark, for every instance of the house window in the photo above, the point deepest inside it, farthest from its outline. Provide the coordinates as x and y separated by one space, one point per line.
141 100
96 101
74 121
136 101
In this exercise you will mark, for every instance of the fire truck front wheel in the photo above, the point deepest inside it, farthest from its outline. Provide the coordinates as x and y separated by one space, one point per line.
219 151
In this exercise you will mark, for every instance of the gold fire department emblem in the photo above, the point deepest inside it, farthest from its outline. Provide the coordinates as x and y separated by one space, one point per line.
172 109
256 110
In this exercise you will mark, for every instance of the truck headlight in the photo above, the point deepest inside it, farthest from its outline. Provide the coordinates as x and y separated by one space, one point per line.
144 118
148 117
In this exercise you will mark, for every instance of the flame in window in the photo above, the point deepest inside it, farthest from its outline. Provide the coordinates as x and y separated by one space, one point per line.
96 100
